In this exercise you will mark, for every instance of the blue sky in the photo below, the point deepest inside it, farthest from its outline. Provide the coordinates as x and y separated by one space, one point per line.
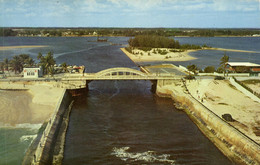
130 13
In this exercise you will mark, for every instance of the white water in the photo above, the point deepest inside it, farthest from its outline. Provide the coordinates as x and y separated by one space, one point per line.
28 138
24 125
148 156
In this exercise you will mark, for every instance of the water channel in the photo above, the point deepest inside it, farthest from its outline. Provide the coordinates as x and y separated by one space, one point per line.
123 122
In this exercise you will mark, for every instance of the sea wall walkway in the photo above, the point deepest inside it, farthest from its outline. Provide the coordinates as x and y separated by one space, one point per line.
43 154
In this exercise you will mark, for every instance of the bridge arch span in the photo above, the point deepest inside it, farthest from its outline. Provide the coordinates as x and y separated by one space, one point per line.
120 71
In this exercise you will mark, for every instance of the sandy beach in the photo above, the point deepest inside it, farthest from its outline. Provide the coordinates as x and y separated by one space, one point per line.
221 97
143 56
21 47
149 56
33 106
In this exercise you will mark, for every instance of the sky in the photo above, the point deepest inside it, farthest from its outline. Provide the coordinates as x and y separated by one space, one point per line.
131 13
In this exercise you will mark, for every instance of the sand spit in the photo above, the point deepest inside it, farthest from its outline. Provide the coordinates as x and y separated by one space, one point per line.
149 56
143 56
21 47
231 50
33 106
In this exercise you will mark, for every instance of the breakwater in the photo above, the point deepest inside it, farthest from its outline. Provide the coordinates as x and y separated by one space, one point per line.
42 151
231 142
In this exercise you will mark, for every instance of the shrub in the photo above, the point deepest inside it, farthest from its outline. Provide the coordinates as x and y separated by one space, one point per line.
129 49
164 52
209 69
219 78
174 50
220 70
189 77
192 68
145 48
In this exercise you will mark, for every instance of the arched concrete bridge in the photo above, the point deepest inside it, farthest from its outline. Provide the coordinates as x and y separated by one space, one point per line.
120 73
80 81
76 82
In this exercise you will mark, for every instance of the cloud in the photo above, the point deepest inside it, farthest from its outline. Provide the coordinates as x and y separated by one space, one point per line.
235 5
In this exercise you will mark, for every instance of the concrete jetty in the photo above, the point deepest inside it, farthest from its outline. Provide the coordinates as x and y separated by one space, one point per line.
238 147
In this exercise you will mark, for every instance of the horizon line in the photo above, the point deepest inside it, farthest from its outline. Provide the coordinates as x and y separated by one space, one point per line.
107 27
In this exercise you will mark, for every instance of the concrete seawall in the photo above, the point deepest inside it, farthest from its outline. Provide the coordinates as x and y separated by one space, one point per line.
231 142
43 154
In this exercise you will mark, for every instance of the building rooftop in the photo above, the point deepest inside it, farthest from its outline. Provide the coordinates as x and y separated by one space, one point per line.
248 64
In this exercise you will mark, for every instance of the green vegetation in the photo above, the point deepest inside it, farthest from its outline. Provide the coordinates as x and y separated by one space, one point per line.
209 69
147 42
193 68
189 77
188 46
152 41
176 50
219 78
17 63
47 63
64 67
223 62
220 70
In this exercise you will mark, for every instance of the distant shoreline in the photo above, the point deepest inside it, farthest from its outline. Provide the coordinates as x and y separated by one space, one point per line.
21 46
130 36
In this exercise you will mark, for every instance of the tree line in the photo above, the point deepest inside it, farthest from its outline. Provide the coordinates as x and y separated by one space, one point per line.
18 62
131 32
155 41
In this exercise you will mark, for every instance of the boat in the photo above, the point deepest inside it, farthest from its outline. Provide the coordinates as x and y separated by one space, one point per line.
101 39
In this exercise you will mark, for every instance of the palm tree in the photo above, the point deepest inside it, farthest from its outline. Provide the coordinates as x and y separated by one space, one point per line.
16 64
30 62
2 66
47 63
64 67
223 62
6 64
39 57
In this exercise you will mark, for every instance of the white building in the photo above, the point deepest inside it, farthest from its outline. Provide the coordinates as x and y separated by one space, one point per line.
32 72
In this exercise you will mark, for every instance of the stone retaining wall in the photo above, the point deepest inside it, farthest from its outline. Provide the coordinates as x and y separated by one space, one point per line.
44 150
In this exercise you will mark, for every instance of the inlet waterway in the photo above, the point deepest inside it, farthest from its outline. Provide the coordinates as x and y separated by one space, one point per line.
122 122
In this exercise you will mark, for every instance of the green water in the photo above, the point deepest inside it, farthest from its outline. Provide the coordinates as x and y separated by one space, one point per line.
14 143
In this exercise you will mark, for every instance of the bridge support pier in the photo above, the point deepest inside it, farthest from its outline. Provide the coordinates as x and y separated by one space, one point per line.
154 86
80 91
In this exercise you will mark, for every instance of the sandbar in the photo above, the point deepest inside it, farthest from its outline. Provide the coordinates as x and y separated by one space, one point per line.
143 56
230 50
21 47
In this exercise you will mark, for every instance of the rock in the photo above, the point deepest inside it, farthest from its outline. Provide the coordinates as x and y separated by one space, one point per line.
228 117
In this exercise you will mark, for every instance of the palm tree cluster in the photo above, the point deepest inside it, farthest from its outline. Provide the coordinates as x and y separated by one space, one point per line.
47 63
17 63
